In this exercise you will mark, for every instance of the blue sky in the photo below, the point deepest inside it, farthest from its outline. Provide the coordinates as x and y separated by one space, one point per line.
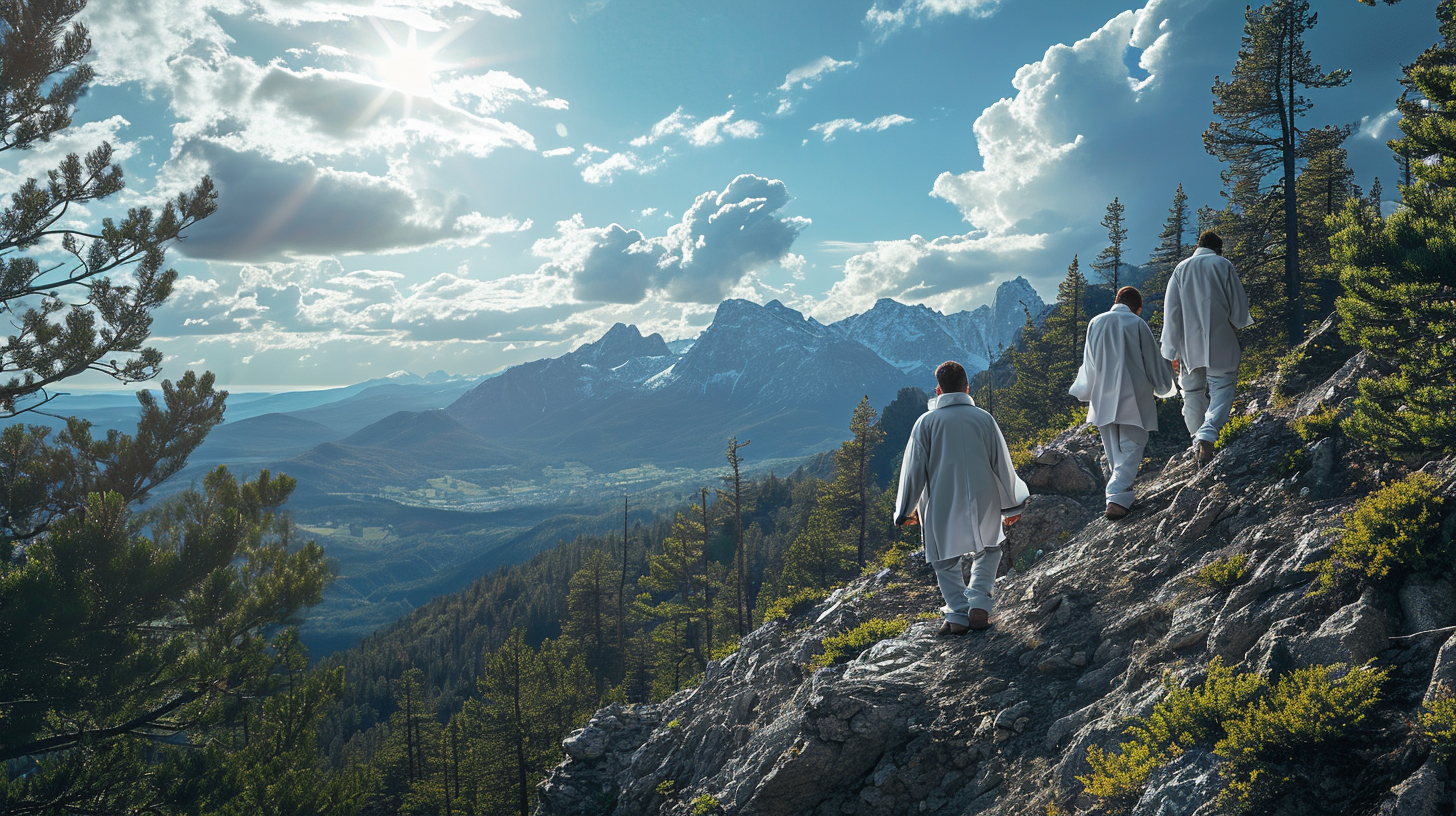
424 184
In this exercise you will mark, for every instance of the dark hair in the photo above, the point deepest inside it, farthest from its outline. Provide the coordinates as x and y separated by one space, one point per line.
951 378
1130 297
1210 240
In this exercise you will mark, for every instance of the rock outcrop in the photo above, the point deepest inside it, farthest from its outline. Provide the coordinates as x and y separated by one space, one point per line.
1085 634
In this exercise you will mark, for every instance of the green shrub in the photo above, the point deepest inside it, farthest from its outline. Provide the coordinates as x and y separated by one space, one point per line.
1296 461
794 603
893 559
1259 729
725 649
666 787
1438 723
848 645
707 805
1392 531
1223 573
1306 710
1232 430
1318 425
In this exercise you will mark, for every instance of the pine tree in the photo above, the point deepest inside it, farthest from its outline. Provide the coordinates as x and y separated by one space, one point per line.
1325 183
1399 273
853 484
1258 112
42 53
591 596
736 498
1171 248
894 426
1109 261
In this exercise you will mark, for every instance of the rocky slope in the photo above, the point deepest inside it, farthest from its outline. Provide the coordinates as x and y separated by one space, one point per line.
1084 635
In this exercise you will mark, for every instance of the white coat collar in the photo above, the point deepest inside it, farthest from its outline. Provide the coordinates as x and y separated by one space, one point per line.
1119 307
958 398
1203 251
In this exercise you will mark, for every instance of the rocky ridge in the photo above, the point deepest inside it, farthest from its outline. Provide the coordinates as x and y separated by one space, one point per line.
1084 636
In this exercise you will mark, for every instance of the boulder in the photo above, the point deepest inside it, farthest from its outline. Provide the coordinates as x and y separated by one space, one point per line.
1421 794
1352 635
1047 522
1180 787
1064 472
1427 603
1312 362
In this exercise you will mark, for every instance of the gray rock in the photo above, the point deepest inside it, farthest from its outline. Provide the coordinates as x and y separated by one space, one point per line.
1427 603
1443 674
1046 524
586 744
1007 718
1319 478
1420 795
1352 635
1192 622
1180 787
1064 472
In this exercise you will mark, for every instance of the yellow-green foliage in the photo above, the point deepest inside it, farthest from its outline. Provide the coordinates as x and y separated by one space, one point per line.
893 559
1304 711
1394 530
794 603
1258 728
1024 450
1223 573
725 649
850 644
707 805
1438 722
1296 461
1232 430
1318 425
666 786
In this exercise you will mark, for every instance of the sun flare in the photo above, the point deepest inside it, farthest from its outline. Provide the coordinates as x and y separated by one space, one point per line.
407 68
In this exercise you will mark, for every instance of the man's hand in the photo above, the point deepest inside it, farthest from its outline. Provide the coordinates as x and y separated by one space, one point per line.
1175 366
912 519
1011 520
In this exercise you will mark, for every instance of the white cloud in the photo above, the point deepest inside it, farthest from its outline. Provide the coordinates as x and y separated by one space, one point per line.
805 77
917 270
558 151
710 131
915 12
1073 136
604 171
720 238
270 209
1374 126
828 129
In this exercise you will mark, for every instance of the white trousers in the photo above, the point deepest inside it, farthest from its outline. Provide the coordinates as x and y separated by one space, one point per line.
1208 396
960 595
1123 445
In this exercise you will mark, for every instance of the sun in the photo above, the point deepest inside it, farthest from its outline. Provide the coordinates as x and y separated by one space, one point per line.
406 67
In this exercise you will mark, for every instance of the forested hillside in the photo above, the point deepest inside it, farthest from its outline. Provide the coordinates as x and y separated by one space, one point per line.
1267 634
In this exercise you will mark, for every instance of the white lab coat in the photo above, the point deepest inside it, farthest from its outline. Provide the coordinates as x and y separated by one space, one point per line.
957 473
1203 305
1122 371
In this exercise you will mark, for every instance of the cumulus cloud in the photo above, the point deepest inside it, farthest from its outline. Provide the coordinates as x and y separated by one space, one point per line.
805 77
269 209
828 129
1073 136
914 12
720 238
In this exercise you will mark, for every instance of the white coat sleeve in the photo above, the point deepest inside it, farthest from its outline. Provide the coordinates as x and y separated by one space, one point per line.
1238 301
1172 317
1081 389
1160 371
913 479
1014 492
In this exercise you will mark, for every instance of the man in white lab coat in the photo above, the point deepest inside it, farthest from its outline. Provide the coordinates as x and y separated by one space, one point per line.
958 483
1203 306
1121 373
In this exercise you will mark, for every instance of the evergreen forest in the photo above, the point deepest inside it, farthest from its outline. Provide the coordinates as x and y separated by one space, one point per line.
148 658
